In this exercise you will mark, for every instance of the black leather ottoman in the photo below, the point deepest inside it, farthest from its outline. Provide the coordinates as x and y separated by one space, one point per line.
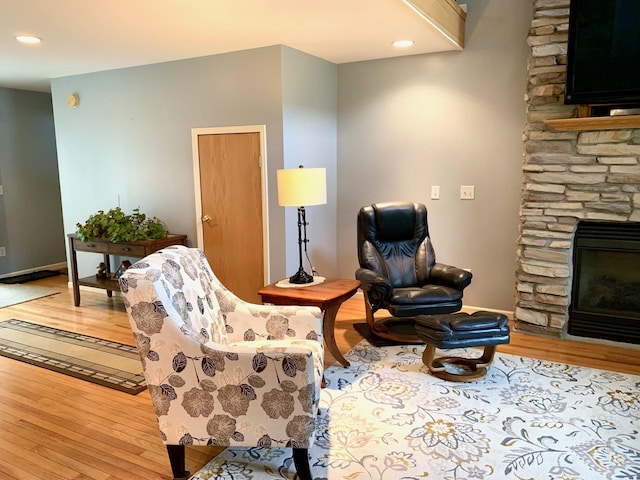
459 330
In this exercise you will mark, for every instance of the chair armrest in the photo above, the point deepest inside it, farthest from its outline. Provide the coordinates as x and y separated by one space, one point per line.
449 276
247 321
251 321
377 288
196 388
372 280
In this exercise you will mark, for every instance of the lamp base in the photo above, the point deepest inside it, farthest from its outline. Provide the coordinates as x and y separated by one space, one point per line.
301 277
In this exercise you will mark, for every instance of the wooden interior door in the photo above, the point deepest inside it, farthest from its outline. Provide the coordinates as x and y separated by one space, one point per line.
231 199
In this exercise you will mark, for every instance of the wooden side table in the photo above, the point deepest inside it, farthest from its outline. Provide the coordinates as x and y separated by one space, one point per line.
328 296
137 249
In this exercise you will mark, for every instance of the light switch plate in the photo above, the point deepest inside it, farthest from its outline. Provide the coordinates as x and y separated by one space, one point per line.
467 192
435 192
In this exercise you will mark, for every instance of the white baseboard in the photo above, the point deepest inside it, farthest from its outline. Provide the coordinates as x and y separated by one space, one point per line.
85 288
62 266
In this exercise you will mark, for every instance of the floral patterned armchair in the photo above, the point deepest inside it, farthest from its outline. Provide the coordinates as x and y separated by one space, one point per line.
222 371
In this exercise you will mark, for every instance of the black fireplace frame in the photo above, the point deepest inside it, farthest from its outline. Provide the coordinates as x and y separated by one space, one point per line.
590 236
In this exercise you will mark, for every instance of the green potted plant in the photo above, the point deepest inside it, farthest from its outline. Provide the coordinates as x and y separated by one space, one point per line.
117 226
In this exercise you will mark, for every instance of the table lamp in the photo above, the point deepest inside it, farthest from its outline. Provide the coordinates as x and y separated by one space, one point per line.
300 187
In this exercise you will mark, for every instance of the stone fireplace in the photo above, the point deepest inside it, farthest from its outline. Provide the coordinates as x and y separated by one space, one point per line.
589 173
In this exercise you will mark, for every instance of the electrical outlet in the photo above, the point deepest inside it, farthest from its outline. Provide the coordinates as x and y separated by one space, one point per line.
3 252
435 192
467 192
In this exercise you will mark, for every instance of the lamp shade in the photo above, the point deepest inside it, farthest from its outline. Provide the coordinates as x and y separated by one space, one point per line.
300 187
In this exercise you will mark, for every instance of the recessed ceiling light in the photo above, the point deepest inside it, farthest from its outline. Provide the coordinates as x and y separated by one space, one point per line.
28 39
403 43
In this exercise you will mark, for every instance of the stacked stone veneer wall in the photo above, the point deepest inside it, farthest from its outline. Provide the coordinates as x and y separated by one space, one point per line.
567 176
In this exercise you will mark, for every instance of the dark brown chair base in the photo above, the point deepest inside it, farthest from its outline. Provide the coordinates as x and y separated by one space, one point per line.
177 460
466 369
301 462
398 330
461 330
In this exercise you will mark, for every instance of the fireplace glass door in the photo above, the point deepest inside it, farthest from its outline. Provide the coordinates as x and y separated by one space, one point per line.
606 281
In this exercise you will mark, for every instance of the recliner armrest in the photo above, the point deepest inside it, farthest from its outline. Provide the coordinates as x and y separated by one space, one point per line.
370 279
450 276
379 288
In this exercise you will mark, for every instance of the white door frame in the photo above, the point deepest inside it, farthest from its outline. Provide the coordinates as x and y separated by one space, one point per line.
260 129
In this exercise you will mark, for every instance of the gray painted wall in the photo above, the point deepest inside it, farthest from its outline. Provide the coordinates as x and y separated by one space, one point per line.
402 125
30 209
310 104
446 119
128 142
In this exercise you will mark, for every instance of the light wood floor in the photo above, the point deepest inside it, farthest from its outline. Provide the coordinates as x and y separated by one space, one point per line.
57 427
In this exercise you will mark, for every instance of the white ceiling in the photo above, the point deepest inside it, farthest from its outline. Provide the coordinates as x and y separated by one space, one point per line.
82 36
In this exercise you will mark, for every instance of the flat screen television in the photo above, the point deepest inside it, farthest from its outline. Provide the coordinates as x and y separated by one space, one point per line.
603 53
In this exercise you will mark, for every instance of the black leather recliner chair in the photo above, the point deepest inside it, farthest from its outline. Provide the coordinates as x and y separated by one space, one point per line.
398 270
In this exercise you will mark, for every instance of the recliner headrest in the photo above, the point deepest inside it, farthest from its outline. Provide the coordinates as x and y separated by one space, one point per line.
393 221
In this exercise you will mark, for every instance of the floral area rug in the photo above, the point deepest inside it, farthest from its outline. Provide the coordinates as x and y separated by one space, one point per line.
386 418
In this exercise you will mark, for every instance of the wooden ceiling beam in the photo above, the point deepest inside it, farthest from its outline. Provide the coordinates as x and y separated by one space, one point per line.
445 15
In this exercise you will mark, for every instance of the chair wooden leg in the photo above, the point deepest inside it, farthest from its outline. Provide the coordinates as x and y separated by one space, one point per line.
395 329
301 461
487 356
177 460
428 359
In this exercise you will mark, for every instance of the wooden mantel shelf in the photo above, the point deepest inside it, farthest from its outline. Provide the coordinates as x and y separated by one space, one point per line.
594 123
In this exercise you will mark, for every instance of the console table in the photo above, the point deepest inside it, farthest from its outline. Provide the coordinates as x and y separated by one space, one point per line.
137 249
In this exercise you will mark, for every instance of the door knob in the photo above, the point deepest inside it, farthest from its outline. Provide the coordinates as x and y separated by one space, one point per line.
206 218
